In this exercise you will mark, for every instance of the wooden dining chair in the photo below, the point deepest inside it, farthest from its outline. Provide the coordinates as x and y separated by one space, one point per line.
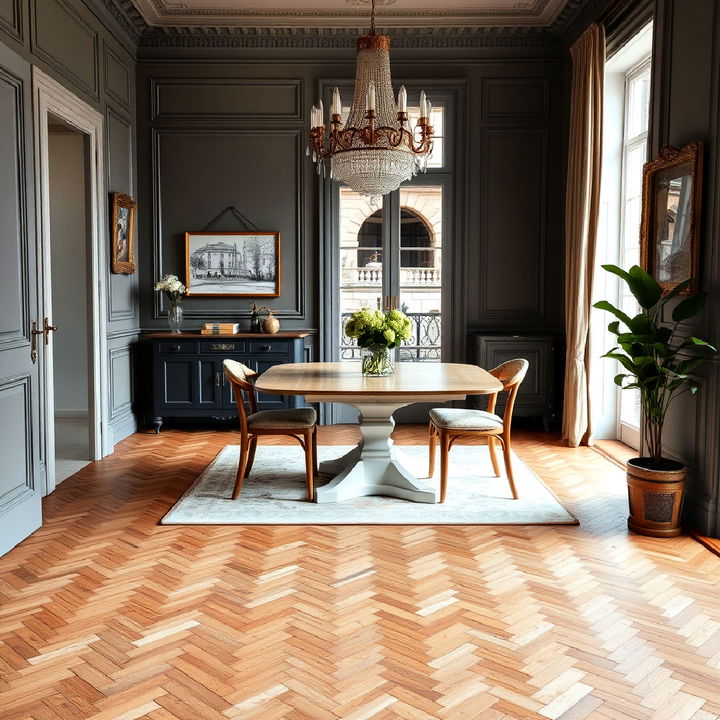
299 423
449 424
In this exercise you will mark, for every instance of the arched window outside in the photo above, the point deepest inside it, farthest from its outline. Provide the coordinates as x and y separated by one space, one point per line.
415 241
370 240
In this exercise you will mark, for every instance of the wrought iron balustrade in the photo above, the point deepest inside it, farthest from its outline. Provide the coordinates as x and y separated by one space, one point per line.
424 345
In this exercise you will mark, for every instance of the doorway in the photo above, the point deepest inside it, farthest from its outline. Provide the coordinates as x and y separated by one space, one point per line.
68 204
72 214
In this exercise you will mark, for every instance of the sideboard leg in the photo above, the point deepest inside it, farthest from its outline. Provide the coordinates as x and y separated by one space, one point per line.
157 422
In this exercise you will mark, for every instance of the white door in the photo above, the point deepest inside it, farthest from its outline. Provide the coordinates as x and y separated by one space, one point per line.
20 509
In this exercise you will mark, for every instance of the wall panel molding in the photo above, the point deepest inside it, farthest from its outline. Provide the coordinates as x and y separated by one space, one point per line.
515 99
66 42
121 286
226 99
500 256
11 19
234 307
120 361
116 77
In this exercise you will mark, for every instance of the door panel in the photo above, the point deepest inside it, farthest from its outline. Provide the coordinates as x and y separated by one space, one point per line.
20 510
178 382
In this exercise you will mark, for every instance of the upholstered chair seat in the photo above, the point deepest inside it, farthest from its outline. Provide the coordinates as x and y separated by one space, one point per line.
463 419
297 419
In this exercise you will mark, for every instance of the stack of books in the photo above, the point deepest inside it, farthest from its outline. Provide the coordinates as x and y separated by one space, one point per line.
220 329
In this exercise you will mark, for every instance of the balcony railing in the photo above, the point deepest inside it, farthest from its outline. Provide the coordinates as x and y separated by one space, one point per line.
424 345
409 276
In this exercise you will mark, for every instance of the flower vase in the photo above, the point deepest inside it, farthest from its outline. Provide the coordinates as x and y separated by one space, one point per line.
175 317
377 361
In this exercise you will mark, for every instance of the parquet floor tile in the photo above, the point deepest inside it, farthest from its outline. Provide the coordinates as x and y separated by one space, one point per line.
106 615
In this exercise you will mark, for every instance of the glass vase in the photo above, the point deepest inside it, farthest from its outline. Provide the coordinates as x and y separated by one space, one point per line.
377 361
175 317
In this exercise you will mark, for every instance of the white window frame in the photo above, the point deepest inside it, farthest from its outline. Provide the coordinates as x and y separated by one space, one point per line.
626 432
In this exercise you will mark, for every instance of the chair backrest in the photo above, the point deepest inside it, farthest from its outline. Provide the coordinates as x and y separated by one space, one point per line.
241 378
510 374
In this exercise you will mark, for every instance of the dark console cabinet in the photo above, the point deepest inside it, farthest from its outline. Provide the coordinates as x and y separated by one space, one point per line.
537 395
188 378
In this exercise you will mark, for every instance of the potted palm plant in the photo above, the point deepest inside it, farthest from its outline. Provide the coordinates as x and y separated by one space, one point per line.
655 362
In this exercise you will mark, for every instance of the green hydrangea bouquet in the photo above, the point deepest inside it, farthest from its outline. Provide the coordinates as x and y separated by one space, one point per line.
377 333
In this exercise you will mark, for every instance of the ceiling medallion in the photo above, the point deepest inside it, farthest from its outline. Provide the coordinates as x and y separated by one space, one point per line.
376 148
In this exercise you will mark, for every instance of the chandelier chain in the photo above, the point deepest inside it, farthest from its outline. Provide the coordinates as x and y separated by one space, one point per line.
372 17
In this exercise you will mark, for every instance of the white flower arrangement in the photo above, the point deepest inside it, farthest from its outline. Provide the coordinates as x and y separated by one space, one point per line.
172 287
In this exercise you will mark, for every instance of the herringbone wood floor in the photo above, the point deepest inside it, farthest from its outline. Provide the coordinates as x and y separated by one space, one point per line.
104 614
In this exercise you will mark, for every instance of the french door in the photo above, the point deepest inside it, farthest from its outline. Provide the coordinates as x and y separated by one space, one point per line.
393 255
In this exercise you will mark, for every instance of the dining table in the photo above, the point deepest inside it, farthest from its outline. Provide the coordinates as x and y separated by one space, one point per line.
375 467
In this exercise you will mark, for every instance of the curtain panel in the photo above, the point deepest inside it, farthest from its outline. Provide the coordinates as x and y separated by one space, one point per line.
581 221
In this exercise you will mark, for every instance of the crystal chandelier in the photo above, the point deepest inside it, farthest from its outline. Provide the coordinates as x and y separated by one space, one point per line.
377 148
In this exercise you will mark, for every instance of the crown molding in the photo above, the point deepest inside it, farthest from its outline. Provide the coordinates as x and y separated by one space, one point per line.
572 15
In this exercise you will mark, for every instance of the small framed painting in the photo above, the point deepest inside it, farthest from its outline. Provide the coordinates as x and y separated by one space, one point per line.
123 236
241 264
672 185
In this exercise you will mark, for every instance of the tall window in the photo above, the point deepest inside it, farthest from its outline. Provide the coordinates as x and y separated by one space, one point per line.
634 155
616 413
396 251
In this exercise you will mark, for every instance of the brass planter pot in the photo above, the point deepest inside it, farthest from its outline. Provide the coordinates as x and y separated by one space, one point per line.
655 495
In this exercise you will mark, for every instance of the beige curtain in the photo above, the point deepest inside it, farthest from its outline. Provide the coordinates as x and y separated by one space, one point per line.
581 219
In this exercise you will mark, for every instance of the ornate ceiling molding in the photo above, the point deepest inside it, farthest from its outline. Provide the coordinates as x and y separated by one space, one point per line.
309 35
353 14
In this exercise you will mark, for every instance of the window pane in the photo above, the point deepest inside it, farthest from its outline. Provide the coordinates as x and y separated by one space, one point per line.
638 104
420 270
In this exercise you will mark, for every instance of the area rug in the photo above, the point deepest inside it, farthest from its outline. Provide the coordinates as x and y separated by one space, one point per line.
274 494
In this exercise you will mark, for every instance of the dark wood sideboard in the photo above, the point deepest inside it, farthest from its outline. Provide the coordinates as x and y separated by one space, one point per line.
187 374
537 396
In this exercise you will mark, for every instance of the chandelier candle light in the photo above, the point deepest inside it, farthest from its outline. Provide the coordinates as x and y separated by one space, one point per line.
376 148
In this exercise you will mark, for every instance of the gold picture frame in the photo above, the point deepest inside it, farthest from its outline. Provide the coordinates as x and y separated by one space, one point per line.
123 234
232 264
671 194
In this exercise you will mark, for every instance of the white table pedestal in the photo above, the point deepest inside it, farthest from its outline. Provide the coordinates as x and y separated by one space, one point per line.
373 468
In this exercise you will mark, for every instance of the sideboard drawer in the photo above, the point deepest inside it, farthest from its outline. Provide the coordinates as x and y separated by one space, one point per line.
182 346
269 346
222 346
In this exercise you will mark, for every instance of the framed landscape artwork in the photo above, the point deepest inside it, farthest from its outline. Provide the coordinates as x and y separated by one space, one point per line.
672 185
123 237
232 263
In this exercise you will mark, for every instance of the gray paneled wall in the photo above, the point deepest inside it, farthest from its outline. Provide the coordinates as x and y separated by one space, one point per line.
686 107
213 133
87 52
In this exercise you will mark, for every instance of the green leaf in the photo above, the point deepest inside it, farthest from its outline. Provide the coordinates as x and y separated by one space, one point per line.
644 287
687 366
619 314
691 340
689 307
623 360
614 327
619 379
678 289
641 325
